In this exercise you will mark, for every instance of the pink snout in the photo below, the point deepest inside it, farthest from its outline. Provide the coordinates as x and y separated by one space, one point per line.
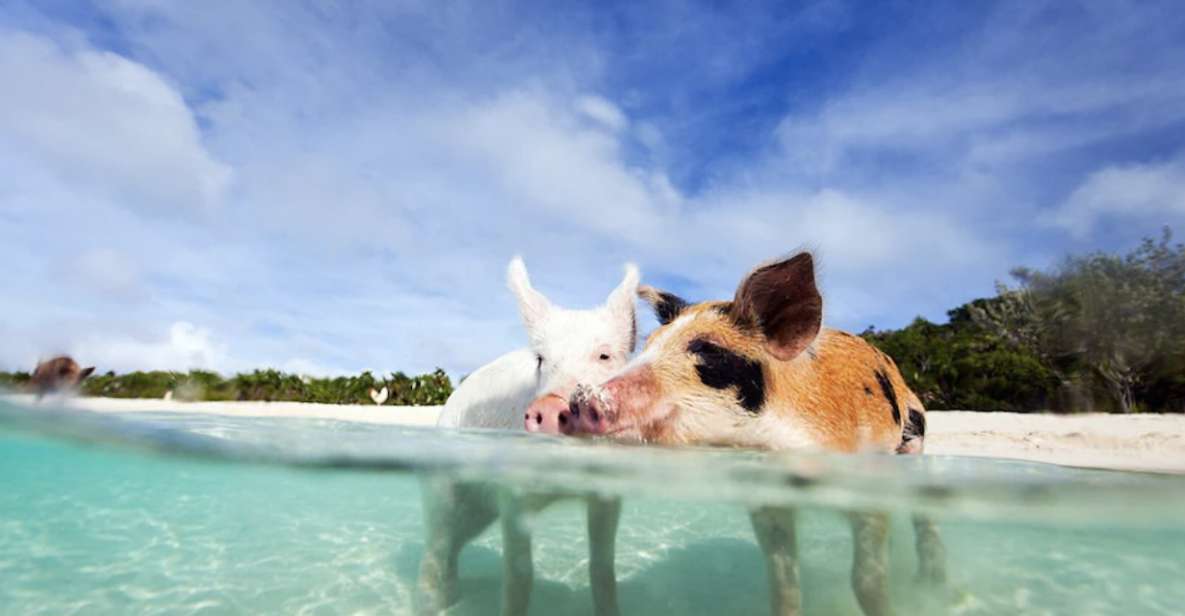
619 406
547 414
586 414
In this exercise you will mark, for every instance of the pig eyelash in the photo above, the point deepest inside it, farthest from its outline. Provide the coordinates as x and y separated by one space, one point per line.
538 362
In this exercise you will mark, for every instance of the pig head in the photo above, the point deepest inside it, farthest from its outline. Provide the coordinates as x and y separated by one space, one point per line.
58 374
756 371
572 347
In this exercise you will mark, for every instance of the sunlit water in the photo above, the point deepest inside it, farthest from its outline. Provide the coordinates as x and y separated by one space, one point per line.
175 514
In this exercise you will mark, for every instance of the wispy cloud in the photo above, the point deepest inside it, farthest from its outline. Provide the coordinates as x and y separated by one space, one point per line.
105 124
1144 193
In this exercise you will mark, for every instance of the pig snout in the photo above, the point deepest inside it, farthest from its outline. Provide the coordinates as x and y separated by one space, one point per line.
621 406
587 413
547 414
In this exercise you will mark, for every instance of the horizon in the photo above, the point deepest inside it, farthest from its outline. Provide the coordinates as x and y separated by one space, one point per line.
342 190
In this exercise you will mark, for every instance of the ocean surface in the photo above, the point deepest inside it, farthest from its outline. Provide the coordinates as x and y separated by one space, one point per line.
164 513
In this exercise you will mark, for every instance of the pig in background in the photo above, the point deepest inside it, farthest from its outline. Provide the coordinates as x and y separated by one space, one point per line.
57 375
567 348
761 371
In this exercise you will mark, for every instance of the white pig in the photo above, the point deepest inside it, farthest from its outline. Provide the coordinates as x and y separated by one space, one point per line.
567 348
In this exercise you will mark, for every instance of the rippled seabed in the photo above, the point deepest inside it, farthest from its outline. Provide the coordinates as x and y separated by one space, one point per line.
167 513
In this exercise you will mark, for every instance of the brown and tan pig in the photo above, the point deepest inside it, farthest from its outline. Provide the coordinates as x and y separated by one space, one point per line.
760 371
57 374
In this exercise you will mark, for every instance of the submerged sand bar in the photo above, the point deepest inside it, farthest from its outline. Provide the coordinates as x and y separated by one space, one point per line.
1121 442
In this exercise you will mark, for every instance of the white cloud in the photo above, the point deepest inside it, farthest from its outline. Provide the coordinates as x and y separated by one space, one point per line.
603 112
542 160
991 122
861 241
1131 191
183 346
994 100
109 123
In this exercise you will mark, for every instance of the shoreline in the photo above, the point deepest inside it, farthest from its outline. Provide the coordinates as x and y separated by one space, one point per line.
421 416
1145 442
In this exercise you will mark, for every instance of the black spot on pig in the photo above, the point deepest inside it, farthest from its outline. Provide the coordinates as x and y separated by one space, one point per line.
720 368
668 306
867 390
890 394
916 428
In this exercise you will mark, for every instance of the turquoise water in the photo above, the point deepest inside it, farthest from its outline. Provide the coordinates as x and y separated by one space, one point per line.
175 514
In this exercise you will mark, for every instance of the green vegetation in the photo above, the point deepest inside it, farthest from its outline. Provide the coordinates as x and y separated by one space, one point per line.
13 380
270 385
960 365
1098 333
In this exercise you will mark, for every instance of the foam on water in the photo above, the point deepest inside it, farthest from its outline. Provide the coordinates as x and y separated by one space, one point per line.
168 513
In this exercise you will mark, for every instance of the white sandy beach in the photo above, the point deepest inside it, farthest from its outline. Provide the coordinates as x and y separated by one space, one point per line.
1126 442
1123 442
398 415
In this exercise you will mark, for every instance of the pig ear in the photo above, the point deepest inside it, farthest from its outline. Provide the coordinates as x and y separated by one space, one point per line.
666 306
86 372
781 299
621 302
531 304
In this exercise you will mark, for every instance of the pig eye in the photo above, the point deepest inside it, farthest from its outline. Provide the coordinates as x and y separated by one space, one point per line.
604 357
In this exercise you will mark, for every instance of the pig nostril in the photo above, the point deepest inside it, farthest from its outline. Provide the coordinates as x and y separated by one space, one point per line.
539 418
574 409
592 414
563 419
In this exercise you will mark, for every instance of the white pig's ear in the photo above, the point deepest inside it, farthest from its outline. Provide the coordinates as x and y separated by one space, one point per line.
621 302
532 305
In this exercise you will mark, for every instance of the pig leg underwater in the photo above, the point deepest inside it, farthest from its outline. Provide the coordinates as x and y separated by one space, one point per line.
776 535
457 512
931 551
518 566
603 516
454 513
870 561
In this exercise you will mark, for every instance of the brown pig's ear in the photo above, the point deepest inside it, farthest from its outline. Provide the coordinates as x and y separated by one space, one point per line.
85 372
666 306
781 299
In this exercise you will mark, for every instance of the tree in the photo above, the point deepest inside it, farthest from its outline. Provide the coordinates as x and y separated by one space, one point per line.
1116 318
960 365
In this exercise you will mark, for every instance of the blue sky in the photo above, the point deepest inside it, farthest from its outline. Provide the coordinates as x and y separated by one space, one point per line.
331 187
